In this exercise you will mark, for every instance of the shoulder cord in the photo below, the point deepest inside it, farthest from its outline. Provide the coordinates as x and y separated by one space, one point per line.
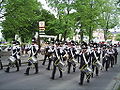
85 59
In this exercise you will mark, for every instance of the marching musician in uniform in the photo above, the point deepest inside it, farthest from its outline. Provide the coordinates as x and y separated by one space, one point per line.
115 52
95 55
110 52
18 52
105 60
56 61
50 55
46 53
33 57
71 53
13 58
84 64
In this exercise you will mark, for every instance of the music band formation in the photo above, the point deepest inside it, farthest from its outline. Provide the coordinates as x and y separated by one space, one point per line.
89 58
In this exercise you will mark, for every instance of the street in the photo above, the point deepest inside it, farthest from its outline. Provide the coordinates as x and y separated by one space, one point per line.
41 81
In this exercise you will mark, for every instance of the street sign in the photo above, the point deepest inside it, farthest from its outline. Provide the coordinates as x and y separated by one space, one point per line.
42 25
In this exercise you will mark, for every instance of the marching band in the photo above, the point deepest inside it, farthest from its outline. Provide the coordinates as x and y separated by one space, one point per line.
90 58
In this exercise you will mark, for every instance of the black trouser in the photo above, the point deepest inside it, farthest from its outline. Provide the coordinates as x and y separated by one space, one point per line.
111 58
1 66
11 64
45 59
106 63
19 62
69 67
115 59
49 63
82 77
29 65
96 69
54 71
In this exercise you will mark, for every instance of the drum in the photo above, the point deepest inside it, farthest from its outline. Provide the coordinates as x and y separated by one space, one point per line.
32 59
86 69
97 63
74 62
61 65
12 59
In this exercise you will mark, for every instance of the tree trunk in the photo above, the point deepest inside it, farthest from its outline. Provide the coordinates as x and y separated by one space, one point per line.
65 33
90 34
81 35
105 34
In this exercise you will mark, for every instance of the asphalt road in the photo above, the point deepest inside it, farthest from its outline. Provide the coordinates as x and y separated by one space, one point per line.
18 81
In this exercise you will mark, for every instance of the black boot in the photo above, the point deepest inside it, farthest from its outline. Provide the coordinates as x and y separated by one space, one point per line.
27 71
1 65
8 69
19 62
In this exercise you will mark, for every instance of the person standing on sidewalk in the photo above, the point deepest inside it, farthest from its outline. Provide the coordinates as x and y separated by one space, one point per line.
33 51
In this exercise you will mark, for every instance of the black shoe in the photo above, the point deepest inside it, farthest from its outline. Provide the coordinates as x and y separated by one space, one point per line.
17 70
92 75
43 63
80 83
47 68
26 73
60 76
7 71
52 78
68 72
36 72
88 81
96 74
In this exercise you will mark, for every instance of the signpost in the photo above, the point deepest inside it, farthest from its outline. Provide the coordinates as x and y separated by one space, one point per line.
42 25
41 31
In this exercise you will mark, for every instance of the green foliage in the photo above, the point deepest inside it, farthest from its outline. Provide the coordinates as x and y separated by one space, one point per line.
117 38
20 19
64 22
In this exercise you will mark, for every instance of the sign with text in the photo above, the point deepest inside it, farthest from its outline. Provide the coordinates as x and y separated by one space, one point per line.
42 25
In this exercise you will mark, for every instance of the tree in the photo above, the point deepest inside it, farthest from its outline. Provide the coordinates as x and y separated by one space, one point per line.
87 13
20 19
64 19
109 17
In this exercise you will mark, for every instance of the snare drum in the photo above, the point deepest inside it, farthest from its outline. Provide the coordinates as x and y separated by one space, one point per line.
12 59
